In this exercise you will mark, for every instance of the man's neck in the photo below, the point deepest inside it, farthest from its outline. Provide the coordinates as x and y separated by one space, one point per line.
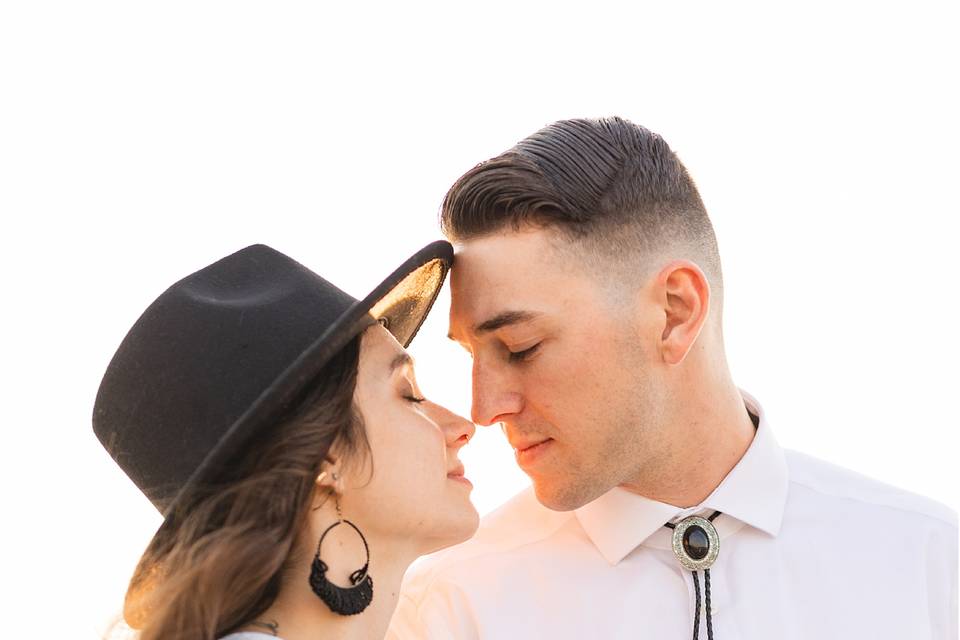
708 438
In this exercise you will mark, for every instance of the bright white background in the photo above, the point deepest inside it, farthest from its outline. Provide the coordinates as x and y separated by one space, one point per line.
141 141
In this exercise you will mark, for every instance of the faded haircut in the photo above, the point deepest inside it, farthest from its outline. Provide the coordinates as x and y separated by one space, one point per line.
614 190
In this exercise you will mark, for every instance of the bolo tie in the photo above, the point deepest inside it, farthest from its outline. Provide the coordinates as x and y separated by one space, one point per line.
696 544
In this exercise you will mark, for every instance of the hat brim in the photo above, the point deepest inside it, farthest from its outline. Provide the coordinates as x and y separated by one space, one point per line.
401 301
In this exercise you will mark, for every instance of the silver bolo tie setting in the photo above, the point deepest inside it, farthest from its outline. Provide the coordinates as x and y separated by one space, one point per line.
697 545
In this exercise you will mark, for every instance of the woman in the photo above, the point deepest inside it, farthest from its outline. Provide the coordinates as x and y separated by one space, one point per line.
277 425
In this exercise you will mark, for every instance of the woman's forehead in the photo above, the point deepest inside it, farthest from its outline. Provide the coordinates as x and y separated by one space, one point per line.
379 349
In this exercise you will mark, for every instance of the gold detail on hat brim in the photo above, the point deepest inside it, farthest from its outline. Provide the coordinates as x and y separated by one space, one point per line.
403 308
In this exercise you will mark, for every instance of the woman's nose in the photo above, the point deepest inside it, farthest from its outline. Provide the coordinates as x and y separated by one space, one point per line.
457 430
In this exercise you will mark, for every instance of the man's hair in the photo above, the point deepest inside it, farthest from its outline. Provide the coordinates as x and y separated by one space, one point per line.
608 185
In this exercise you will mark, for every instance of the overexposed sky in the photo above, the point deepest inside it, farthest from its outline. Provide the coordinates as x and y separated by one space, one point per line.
142 141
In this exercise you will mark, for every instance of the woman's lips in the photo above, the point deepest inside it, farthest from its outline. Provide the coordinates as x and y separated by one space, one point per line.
459 478
457 475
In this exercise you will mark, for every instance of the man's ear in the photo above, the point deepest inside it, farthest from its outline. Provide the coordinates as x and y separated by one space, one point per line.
684 293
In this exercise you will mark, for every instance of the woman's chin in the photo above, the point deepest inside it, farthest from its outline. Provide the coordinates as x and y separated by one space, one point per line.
458 527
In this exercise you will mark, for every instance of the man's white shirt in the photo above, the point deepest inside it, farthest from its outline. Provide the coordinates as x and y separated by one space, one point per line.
807 550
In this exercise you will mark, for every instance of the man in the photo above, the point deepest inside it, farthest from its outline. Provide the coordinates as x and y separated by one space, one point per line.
587 288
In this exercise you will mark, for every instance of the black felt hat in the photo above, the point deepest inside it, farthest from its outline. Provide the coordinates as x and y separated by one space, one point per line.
226 349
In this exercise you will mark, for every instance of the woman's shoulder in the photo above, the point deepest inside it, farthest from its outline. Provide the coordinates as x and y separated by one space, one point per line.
249 635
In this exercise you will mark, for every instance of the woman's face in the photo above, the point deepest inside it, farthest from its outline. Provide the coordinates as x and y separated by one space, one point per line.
412 486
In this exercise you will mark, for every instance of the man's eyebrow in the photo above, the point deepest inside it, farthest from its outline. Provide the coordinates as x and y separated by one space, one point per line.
400 360
504 319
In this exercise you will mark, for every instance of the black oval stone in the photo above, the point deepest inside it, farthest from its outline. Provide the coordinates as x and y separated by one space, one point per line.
696 543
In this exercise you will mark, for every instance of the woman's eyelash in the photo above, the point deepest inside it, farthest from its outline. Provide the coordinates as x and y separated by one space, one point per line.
414 399
519 356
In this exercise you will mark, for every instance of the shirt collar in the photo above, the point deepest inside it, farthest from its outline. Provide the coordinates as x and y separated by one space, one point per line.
754 493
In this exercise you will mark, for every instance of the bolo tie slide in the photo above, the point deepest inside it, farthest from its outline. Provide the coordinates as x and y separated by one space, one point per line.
696 544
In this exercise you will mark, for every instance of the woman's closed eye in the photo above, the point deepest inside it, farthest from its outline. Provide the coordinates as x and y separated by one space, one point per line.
410 393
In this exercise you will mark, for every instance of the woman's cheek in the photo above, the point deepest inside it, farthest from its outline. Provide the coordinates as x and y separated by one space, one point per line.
433 448
410 445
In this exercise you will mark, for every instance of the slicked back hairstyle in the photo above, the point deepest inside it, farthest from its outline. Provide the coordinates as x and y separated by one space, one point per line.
607 185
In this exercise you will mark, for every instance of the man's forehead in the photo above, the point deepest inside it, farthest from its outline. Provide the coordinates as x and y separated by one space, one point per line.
488 269
503 279
482 303
485 305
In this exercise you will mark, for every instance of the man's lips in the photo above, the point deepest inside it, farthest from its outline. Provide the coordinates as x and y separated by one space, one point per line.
529 452
522 445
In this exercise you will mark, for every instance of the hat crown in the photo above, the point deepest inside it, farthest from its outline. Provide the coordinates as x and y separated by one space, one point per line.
201 355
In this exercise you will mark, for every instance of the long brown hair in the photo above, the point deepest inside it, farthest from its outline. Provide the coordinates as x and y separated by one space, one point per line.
218 560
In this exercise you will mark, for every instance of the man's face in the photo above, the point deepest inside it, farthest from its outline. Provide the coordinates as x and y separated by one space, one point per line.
561 361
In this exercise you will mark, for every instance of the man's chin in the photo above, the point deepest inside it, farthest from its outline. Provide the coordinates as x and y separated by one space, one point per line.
562 498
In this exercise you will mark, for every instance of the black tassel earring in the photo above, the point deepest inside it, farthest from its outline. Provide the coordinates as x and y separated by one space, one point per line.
346 601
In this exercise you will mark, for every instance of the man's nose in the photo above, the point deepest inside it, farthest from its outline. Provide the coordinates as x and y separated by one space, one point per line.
492 397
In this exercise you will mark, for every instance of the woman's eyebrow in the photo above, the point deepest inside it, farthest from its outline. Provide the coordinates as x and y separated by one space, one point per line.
400 360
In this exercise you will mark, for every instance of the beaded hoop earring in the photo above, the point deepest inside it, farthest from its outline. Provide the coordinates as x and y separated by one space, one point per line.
346 601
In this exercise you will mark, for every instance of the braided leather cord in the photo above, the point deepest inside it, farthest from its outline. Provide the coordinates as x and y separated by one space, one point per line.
706 589
696 615
706 592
